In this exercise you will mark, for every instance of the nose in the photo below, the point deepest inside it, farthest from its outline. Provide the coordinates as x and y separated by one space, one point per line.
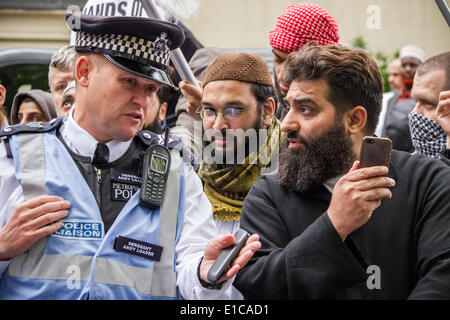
409 70
289 123
220 123
279 75
278 71
418 108
141 99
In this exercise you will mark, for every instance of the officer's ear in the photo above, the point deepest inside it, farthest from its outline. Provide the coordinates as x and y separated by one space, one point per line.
2 95
84 67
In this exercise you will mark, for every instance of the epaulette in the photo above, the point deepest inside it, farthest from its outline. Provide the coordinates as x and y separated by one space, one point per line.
31 127
149 138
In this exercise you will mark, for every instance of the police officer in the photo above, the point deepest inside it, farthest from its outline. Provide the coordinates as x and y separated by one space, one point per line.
72 224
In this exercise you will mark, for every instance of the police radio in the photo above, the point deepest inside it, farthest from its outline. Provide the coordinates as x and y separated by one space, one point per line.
156 164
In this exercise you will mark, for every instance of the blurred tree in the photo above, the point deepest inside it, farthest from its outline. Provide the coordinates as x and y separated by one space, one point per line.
380 57
13 77
359 43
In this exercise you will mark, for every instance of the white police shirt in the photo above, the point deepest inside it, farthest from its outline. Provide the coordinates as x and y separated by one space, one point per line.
198 225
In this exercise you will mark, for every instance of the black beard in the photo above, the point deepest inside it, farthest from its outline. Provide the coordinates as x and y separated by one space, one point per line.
258 125
155 126
322 158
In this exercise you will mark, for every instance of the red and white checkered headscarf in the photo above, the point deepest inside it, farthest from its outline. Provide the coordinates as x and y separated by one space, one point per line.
302 23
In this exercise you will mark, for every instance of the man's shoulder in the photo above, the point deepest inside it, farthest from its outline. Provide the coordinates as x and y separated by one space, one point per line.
31 127
404 161
267 185
445 156
269 180
417 168
388 95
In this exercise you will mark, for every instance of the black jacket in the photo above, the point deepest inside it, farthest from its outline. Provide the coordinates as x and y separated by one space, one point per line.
303 257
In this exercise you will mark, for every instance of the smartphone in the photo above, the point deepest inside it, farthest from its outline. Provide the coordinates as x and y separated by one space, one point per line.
375 151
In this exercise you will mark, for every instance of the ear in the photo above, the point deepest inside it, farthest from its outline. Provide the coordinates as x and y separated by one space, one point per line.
268 111
162 111
2 95
355 120
83 69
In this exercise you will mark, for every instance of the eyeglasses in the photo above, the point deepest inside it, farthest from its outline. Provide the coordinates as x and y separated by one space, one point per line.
231 113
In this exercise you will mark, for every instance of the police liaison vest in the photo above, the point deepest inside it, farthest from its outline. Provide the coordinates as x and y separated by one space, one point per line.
80 261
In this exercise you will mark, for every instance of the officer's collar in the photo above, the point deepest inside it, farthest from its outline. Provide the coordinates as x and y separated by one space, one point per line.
83 143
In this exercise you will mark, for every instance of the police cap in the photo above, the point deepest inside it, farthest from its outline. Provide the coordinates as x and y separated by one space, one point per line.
138 45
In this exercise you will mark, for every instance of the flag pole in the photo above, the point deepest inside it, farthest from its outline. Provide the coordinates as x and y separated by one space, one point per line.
442 5
177 57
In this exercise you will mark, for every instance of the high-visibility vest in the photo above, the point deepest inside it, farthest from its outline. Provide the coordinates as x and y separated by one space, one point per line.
80 261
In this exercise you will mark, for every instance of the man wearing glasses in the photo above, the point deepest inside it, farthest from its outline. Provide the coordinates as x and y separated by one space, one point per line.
242 135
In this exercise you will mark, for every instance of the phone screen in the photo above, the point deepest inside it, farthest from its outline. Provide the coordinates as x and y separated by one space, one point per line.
158 164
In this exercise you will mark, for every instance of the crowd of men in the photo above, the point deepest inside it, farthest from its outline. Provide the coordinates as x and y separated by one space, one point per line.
273 152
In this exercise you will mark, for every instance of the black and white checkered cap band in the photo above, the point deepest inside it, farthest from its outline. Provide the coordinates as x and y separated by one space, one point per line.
136 48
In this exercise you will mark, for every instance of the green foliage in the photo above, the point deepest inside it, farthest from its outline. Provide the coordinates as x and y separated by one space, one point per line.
359 43
13 77
381 58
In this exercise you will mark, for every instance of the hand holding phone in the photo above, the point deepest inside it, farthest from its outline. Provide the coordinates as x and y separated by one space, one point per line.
227 256
359 192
